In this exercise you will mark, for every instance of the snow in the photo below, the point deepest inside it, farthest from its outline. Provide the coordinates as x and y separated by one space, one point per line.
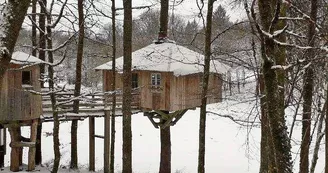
24 59
230 147
167 56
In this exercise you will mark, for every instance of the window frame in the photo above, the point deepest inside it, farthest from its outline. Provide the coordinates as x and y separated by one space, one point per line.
156 79
24 76
134 80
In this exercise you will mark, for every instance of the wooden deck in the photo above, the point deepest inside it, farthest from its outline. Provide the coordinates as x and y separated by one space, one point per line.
91 105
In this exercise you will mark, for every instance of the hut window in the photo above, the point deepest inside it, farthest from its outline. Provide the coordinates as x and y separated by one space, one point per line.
134 80
155 79
26 78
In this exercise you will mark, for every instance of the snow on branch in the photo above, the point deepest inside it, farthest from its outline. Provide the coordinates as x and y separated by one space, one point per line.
237 121
56 48
283 67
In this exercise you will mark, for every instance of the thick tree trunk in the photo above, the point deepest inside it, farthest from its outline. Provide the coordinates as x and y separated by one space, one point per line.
326 133
165 133
308 93
165 161
274 86
264 166
163 20
11 20
127 55
202 121
112 138
77 90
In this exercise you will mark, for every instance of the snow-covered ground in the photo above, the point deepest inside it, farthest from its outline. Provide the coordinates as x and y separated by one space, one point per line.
230 147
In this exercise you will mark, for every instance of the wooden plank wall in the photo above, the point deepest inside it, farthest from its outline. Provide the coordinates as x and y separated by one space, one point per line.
17 103
175 93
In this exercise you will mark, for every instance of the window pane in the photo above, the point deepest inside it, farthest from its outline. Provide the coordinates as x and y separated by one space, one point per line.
134 80
26 77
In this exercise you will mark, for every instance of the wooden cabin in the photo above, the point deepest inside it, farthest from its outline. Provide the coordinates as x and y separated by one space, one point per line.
16 102
167 77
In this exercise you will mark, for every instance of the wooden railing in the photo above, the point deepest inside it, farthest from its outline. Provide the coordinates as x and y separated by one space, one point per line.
90 105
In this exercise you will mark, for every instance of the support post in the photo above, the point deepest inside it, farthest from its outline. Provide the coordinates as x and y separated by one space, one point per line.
91 144
107 141
2 146
15 151
31 151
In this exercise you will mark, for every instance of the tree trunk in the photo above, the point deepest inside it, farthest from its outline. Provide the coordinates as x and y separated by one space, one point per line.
308 93
202 121
163 19
112 138
11 20
326 133
56 143
77 90
127 55
165 133
274 81
165 161
42 37
38 152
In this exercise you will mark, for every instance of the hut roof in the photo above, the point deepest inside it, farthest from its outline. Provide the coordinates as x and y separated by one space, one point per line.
22 58
167 57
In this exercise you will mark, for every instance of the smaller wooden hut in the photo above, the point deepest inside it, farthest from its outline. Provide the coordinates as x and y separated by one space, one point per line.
19 107
168 77
16 102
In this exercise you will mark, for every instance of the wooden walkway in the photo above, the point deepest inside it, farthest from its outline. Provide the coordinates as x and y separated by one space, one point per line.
91 105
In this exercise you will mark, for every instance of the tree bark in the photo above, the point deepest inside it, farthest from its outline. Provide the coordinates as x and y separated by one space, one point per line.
326 133
163 19
77 90
42 37
308 93
127 55
38 152
274 85
202 121
165 161
112 138
10 24
56 142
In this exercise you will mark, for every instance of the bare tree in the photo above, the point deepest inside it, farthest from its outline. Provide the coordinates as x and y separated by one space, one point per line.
126 109
308 92
112 138
207 59
77 90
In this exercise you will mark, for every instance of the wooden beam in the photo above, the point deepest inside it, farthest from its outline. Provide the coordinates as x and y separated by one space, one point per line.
31 151
99 136
107 141
14 155
178 117
15 144
91 144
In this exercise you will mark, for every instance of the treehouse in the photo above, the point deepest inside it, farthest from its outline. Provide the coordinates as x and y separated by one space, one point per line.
16 102
167 77
20 107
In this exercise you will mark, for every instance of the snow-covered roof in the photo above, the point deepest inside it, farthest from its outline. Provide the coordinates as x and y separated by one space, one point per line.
22 58
167 56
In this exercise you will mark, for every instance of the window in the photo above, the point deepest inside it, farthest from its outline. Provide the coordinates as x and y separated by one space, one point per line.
26 78
134 80
155 79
